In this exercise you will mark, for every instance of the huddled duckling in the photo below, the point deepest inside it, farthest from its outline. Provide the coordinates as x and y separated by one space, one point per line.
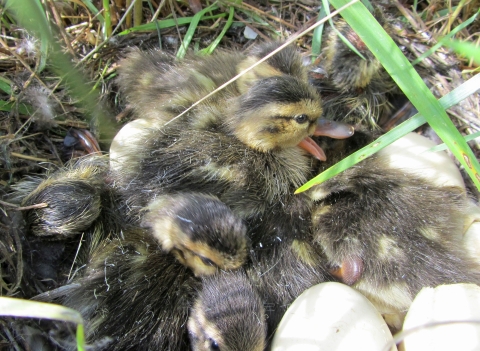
242 146
228 314
62 210
354 89
389 232
134 294
267 112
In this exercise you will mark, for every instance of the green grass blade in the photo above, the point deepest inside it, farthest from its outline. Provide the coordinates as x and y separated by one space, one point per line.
23 109
6 85
107 27
192 28
317 35
168 23
452 98
91 7
466 49
467 138
412 85
12 307
445 38
208 50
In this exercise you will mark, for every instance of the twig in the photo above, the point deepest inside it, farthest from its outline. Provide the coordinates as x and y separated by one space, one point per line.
23 208
26 157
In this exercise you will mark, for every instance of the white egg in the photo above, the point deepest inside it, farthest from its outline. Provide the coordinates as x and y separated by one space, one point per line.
128 136
445 303
334 317
410 154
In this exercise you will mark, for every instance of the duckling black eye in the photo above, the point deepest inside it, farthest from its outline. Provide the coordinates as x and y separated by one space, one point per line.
300 119
214 345
207 261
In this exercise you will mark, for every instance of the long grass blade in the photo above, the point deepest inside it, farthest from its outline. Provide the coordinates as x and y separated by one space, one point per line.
452 98
403 73
182 51
12 307
208 50
449 35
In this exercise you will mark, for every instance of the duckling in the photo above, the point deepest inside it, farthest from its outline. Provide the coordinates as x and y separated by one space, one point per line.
136 295
73 198
227 314
69 207
270 107
199 230
242 147
353 90
389 232
253 126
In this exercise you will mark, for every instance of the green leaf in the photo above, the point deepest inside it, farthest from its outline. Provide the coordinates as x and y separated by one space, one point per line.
167 24
403 73
12 307
466 49
23 109
6 85
444 39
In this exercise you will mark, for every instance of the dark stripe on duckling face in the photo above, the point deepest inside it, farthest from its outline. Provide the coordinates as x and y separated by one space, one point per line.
277 89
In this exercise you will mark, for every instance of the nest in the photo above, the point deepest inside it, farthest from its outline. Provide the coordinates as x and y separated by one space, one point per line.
44 109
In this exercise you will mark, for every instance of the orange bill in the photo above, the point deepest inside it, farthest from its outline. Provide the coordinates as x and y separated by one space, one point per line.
312 147
333 129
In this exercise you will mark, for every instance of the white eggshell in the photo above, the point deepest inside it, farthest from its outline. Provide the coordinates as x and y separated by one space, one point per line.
334 317
457 302
128 136
410 154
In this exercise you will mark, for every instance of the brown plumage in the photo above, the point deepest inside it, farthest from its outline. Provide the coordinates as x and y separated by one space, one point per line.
388 233
134 294
227 315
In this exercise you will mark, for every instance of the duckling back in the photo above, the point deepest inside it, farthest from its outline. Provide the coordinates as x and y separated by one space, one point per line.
228 314
389 233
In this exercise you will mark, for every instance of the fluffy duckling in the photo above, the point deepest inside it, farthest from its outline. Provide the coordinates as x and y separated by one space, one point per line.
228 314
199 230
242 147
246 137
135 295
353 90
70 206
388 232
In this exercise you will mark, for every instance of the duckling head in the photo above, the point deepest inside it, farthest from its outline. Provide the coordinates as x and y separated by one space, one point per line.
277 107
278 112
200 230
227 315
